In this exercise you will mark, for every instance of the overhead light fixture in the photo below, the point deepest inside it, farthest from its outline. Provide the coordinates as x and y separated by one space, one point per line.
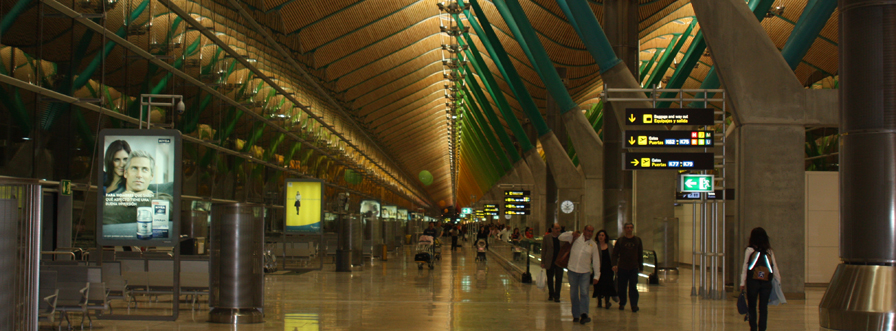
777 11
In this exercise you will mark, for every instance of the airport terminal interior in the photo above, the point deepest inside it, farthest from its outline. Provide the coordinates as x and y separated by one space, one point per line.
400 164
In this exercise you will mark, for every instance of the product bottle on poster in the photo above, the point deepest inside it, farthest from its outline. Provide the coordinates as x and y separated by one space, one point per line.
144 223
160 211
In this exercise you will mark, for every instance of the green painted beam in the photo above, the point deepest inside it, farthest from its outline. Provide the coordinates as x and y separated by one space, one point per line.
511 76
815 16
683 71
669 56
511 11
582 19
495 156
490 114
496 93
645 69
479 121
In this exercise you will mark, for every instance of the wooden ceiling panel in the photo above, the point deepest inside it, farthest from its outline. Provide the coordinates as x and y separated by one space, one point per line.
388 68
387 46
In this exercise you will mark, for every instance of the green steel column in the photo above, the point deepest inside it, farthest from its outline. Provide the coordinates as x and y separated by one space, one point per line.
582 19
496 156
493 87
511 76
490 114
481 162
683 71
646 69
512 12
13 14
666 60
478 120
498 96
478 142
813 19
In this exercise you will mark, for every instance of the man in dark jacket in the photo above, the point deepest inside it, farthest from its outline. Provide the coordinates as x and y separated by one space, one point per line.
629 256
550 247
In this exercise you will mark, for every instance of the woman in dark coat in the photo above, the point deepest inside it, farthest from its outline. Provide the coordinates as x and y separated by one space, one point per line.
605 288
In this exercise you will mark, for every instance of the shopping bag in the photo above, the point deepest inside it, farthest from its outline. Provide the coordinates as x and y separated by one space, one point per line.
777 296
540 281
742 303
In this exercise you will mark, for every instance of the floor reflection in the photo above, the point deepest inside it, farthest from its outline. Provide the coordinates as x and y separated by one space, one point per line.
461 294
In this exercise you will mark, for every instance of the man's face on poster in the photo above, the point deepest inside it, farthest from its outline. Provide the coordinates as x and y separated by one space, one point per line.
139 174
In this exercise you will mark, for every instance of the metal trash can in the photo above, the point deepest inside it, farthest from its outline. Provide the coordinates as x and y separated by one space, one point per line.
665 243
236 258
345 252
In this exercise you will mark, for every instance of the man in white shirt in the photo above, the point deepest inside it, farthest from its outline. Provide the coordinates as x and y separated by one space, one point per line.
584 257
505 233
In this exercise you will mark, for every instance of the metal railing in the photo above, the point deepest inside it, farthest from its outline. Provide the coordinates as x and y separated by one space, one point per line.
20 213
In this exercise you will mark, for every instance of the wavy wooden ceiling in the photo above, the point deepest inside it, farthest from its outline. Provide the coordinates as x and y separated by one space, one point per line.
381 59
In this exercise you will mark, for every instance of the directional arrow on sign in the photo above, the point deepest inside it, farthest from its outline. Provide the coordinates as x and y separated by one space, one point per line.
631 140
635 162
632 118
690 183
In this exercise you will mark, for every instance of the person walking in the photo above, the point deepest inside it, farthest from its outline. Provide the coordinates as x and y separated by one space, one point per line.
550 247
583 258
454 233
759 261
605 287
628 255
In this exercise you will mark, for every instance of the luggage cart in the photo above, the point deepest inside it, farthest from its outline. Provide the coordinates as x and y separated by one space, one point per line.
425 252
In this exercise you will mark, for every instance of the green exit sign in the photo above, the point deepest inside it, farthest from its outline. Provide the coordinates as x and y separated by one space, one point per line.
697 183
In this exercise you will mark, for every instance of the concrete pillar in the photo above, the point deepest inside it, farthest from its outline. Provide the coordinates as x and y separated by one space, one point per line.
771 110
771 173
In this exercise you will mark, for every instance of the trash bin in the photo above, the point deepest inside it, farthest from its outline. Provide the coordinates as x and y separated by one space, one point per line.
236 264
665 242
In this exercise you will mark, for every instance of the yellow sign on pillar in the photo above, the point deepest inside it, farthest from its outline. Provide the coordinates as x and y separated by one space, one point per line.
65 187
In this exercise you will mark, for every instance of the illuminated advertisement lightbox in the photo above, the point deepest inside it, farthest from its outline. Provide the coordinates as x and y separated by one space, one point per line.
304 205
389 211
141 185
370 208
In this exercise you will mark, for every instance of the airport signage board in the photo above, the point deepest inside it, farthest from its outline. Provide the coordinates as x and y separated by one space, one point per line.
668 161
304 205
141 181
490 209
666 138
669 116
696 183
517 202
466 210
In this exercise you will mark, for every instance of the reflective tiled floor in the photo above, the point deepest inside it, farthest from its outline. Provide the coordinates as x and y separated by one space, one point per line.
460 294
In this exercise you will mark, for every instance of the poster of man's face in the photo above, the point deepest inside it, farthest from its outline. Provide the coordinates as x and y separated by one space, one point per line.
370 208
140 190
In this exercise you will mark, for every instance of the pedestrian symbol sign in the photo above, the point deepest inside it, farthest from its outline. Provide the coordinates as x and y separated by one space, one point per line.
65 187
697 183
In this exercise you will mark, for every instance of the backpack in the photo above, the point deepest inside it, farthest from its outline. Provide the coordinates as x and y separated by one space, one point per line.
760 266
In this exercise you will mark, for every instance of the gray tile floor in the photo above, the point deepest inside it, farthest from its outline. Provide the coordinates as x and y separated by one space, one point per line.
463 295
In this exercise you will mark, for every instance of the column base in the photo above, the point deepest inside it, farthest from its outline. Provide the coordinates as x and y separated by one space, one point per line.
235 316
860 297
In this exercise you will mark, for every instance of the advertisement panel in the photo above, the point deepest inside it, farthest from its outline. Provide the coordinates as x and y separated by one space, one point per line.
304 205
141 185
370 208
402 214
389 211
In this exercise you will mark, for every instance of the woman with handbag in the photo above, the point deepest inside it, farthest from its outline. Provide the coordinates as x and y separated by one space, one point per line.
756 277
605 287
